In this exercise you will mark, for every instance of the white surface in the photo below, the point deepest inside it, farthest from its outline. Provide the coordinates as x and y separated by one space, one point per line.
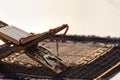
1 42
116 77
85 17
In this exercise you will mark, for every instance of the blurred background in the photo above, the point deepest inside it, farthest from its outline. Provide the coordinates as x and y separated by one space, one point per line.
85 17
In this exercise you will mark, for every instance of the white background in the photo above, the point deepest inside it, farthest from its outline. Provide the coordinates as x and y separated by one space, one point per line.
85 17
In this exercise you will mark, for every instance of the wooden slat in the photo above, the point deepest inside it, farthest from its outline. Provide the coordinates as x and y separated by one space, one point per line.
13 34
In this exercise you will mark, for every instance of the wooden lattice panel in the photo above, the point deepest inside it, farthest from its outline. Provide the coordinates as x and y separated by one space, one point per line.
13 34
